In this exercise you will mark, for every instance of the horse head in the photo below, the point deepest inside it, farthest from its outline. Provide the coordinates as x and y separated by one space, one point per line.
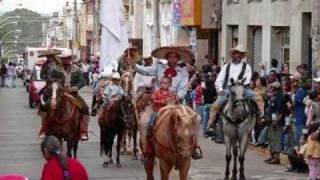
128 111
184 122
236 103
56 94
126 84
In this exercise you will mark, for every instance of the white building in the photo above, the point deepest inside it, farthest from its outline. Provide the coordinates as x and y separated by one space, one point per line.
270 29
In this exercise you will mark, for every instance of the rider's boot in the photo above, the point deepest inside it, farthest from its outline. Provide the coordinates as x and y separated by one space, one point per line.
44 128
84 128
213 114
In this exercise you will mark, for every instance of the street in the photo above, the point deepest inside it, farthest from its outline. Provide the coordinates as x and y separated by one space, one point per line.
20 149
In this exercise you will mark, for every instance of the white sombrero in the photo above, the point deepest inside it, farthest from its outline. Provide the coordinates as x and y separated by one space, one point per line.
182 51
238 48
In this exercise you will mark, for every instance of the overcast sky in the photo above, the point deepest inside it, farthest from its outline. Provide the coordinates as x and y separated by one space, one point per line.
40 6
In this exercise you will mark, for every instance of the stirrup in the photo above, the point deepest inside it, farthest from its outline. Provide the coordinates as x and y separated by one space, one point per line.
197 154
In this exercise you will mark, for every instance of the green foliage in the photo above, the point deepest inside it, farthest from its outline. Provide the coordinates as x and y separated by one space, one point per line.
30 24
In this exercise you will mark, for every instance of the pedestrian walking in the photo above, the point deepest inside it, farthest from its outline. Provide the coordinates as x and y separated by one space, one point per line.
3 74
10 74
59 167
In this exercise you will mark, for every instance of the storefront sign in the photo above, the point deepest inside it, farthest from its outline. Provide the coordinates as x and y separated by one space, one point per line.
190 12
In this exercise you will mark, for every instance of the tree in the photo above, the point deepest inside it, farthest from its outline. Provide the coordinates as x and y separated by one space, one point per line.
156 22
316 39
30 24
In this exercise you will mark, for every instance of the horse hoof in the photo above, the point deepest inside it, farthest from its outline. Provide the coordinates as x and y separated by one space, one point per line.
242 178
226 178
135 158
118 165
105 165
110 161
234 178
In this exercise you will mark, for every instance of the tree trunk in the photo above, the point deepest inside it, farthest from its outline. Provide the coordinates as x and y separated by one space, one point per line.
156 23
316 39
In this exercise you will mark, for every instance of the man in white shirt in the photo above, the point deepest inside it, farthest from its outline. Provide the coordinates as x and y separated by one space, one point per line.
237 69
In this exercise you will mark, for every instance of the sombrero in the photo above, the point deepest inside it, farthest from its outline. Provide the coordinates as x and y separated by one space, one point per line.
238 48
182 51
147 57
49 52
65 58
131 48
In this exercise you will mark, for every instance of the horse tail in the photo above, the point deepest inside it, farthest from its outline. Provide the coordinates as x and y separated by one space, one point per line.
103 138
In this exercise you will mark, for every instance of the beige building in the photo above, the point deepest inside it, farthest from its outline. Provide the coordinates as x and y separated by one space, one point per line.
270 29
202 37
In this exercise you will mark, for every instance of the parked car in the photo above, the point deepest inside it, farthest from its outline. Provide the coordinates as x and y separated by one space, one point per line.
35 85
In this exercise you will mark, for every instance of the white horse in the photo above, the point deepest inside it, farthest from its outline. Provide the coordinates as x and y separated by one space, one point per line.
239 117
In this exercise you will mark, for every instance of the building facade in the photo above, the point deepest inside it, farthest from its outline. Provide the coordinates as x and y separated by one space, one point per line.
192 23
270 29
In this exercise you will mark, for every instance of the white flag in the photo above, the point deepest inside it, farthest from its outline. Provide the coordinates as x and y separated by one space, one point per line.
114 37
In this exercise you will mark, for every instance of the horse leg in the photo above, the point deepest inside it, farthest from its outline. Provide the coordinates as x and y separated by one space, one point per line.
228 156
75 148
243 149
124 142
129 141
184 169
165 169
69 148
235 156
148 166
119 139
135 150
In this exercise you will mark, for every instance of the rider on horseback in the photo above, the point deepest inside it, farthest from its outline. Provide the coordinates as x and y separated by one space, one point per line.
112 92
237 70
170 68
59 68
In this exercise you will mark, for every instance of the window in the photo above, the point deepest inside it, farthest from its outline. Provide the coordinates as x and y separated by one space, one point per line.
233 1
234 36
250 1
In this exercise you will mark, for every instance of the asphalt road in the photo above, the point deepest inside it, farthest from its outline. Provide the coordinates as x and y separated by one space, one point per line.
20 150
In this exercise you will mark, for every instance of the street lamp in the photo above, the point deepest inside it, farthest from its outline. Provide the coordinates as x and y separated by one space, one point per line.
10 32
9 17
5 24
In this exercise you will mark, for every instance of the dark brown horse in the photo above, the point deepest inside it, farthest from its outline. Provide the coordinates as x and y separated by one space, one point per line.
129 115
64 118
111 124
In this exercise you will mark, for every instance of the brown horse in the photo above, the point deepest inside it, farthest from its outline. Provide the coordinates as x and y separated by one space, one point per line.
111 125
129 115
64 118
175 147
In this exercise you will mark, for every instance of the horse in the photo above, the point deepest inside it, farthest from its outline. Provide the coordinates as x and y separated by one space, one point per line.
64 118
111 125
129 114
175 147
239 116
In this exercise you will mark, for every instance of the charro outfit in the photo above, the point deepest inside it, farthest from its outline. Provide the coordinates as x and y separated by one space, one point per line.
54 72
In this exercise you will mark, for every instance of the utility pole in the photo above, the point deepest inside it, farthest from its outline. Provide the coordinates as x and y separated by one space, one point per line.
316 39
75 27
156 22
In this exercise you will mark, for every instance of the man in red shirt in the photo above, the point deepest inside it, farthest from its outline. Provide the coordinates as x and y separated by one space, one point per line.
59 167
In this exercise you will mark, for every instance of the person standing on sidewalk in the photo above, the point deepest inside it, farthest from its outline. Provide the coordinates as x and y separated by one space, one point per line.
59 167
10 74
276 110
3 74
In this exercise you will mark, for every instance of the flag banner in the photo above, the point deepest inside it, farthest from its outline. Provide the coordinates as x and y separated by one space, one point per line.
114 36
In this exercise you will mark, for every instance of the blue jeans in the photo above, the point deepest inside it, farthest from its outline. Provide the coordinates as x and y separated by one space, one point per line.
298 132
152 119
222 99
205 116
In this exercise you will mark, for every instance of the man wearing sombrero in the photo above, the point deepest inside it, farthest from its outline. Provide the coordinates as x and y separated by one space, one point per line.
237 70
72 80
169 68
127 60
